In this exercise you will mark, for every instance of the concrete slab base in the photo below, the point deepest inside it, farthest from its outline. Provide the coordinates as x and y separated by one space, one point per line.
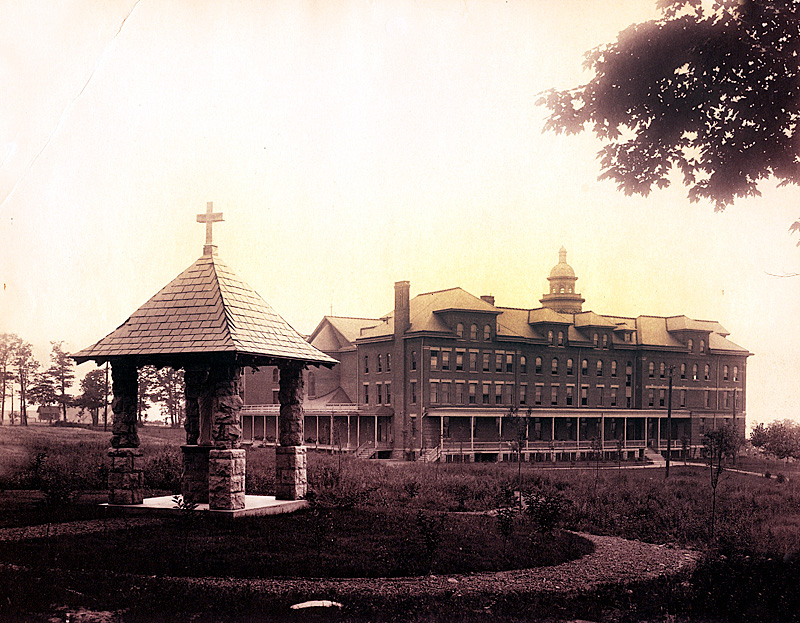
254 505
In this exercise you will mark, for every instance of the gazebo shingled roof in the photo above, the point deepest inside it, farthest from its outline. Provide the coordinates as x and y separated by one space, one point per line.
206 309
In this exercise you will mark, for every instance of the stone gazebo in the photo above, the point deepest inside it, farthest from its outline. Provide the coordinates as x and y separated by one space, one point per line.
211 324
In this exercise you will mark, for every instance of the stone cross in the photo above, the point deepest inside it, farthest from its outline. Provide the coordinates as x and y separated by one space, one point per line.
209 218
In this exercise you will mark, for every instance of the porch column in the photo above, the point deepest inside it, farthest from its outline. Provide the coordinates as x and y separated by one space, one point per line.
348 431
472 433
330 432
290 455
376 431
125 385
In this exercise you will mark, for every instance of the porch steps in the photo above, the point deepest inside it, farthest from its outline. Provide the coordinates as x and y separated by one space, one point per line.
654 457
431 455
365 450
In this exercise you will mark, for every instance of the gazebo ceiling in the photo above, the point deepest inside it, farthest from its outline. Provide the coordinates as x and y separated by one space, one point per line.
206 310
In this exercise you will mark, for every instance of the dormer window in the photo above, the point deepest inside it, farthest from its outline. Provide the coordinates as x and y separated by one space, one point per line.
473 333
487 333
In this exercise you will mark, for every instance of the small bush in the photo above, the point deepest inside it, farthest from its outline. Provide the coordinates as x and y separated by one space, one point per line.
163 469
547 509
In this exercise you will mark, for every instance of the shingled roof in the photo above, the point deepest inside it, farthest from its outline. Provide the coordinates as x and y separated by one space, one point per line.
206 309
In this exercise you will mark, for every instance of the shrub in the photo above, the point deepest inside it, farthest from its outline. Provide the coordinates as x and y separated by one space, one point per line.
547 508
163 469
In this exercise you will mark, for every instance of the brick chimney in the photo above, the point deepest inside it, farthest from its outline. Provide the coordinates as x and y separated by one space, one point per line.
402 318
488 298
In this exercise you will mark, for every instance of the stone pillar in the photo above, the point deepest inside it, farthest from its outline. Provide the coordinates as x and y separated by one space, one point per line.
194 378
125 385
220 399
290 454
226 470
194 481
125 480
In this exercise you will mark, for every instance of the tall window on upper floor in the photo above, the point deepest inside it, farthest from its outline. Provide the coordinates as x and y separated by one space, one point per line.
561 338
662 370
554 366
445 360
509 362
599 368
570 367
605 341
651 370
460 330
724 373
690 344
379 364
550 337
276 376
584 367
614 368
487 333
473 333
538 364
735 373
413 360
683 370
366 364
459 361
694 372
498 362
706 372
683 397
312 384
388 362
702 346
596 340
434 359
523 364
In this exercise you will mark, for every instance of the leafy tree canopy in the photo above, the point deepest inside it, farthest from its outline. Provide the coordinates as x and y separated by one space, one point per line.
779 438
711 90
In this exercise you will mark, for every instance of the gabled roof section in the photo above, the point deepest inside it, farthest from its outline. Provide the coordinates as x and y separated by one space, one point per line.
590 319
718 342
514 323
545 315
456 299
682 323
652 331
336 332
206 309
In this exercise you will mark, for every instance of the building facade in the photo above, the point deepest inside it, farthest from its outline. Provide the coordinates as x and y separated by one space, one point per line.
451 376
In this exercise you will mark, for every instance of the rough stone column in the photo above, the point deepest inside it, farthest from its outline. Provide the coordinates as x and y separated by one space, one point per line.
193 382
290 455
125 385
194 480
125 479
226 470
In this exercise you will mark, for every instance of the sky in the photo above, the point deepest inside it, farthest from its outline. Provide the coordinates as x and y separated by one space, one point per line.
350 145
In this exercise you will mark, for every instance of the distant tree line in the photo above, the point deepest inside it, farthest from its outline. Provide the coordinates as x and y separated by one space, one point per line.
24 382
780 438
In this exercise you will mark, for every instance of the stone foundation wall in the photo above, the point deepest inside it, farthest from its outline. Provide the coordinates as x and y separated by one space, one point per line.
125 478
226 471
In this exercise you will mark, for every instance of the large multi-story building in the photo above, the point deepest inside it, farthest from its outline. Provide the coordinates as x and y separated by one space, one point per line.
447 375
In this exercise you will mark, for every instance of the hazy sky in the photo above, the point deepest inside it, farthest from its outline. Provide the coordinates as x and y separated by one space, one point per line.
350 145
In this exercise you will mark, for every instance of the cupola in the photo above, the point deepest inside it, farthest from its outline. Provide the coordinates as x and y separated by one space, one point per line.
562 296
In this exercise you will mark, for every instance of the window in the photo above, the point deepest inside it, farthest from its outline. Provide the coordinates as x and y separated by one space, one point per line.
473 333
570 391
460 330
570 367
651 397
445 393
459 361
628 374
413 360
683 397
725 398
584 367
600 395
276 376
445 360
683 370
473 390
599 368
554 395
388 387
388 362
724 373
614 369
554 366
460 393
706 372
473 362
498 362
523 394
538 364
613 396
702 346
485 393
378 393
584 395
605 341
523 365
596 340
561 338
694 372
413 388
487 333
312 384
366 364
537 395
735 373
707 398
662 397
434 392
509 363
276 397
651 370
550 338
661 370
434 359
690 344
498 394
366 394
485 362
